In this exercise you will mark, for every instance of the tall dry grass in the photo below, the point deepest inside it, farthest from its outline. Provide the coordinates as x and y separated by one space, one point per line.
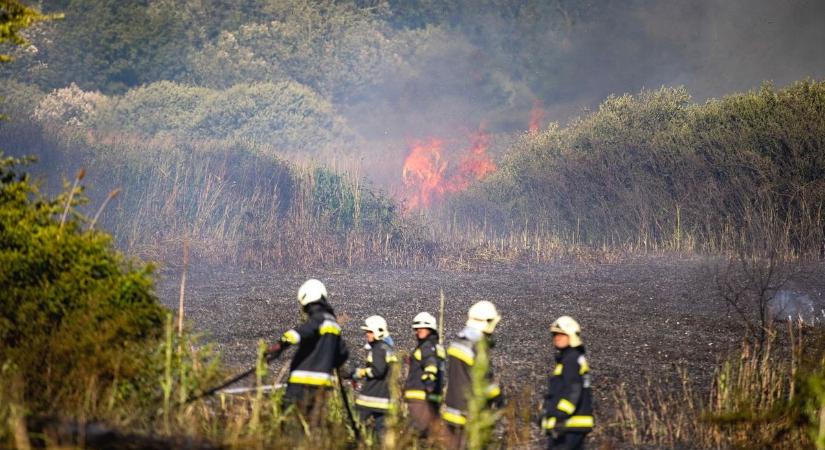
754 400
656 171
236 202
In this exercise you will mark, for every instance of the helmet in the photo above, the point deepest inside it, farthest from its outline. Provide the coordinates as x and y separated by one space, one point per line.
311 291
377 325
566 325
483 317
425 320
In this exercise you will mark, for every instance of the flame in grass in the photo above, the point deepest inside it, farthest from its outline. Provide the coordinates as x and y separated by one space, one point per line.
423 173
428 175
475 165
536 117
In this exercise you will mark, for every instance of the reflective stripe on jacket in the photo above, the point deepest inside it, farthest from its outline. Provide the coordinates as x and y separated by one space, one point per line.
375 392
568 405
320 347
461 356
426 377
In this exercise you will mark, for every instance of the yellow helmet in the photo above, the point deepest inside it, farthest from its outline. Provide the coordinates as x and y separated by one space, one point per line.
377 325
483 316
311 291
567 325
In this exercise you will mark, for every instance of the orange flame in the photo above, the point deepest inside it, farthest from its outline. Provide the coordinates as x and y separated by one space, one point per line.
474 166
425 175
536 117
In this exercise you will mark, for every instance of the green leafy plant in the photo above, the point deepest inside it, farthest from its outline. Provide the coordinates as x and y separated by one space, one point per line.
81 312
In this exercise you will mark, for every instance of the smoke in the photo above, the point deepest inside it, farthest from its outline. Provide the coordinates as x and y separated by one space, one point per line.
494 65
790 305
402 71
725 46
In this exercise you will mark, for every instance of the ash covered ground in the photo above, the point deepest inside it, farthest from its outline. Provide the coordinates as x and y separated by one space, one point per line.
642 318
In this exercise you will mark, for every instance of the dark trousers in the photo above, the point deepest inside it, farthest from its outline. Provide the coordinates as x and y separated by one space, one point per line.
566 441
455 437
309 401
373 419
422 414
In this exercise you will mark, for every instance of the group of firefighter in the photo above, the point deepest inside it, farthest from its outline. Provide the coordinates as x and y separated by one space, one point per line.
439 384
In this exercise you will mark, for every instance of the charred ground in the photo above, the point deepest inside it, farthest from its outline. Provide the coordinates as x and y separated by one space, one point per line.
643 317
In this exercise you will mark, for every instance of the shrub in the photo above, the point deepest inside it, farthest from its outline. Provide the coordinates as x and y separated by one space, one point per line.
75 312
285 114
656 170
69 106
18 100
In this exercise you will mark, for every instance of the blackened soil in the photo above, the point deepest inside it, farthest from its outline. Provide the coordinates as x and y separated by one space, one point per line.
642 318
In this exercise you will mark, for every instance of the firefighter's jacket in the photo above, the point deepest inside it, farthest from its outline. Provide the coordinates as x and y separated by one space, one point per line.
461 357
426 378
321 349
568 405
375 390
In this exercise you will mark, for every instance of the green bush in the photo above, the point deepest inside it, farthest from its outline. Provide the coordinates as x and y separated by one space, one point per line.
657 170
285 114
18 100
75 313
335 48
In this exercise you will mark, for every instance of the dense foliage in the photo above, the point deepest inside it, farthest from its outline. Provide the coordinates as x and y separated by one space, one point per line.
74 310
329 45
175 88
462 60
15 18
656 168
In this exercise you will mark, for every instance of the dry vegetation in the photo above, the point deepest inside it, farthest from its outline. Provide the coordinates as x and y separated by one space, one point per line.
655 172
86 361
239 205
758 399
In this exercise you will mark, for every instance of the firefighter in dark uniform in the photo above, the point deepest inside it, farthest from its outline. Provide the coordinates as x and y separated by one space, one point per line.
568 405
373 399
422 390
320 351
482 319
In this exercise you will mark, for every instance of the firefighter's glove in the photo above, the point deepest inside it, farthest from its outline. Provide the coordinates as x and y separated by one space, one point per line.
360 374
548 424
551 425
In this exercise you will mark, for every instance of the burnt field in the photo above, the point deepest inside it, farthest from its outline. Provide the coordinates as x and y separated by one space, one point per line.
642 318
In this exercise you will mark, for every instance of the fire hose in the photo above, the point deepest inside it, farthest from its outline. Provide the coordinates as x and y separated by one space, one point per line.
271 356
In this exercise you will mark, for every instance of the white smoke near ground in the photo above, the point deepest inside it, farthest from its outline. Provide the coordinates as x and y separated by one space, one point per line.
792 305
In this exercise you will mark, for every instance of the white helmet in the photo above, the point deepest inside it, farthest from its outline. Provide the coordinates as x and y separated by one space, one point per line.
566 325
377 325
311 291
425 320
483 316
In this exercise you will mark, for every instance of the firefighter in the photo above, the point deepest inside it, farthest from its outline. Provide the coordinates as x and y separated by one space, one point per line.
373 400
320 351
482 319
422 390
568 407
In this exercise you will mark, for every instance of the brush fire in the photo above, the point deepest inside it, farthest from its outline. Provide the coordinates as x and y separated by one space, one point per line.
428 175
